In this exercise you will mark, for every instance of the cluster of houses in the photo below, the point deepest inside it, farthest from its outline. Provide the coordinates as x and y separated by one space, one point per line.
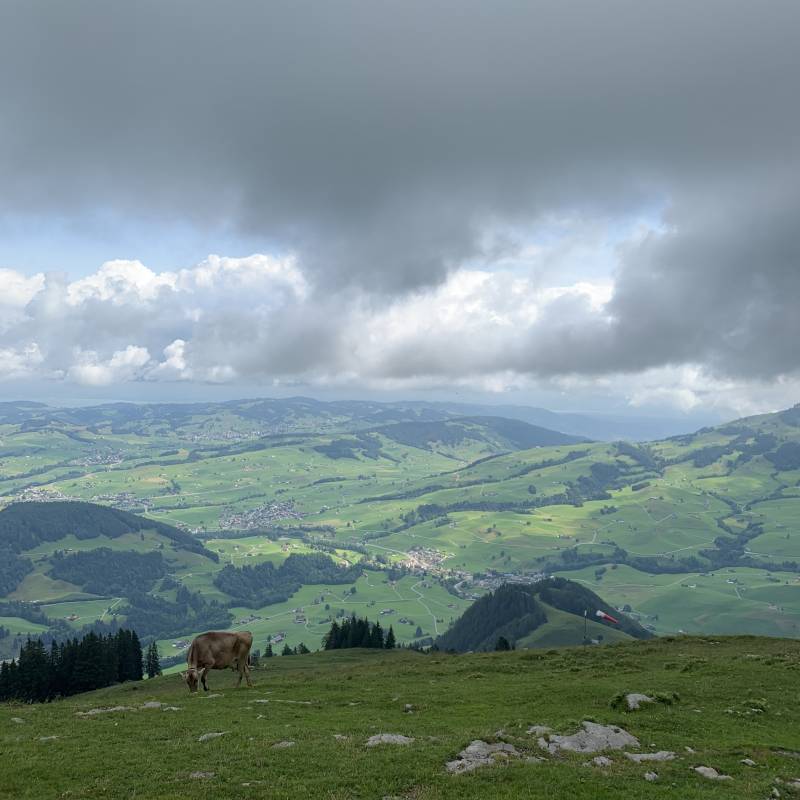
125 501
259 517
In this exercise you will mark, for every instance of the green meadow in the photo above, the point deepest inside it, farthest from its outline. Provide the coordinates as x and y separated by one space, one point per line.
303 729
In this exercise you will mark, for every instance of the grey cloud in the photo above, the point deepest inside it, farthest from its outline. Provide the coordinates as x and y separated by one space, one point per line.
380 140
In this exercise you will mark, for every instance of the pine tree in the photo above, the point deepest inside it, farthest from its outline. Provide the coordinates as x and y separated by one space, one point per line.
502 644
376 637
302 650
331 640
390 640
268 652
137 671
287 651
153 661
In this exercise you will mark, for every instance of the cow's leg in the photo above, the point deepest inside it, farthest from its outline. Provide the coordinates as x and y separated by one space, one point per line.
247 675
203 674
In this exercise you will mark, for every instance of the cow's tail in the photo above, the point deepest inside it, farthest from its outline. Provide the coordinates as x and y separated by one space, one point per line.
190 655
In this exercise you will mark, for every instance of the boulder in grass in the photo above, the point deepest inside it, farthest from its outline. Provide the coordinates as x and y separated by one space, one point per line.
481 754
594 738
388 738
712 774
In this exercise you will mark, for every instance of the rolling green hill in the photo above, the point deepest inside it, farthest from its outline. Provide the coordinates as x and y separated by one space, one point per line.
534 615
303 730
696 533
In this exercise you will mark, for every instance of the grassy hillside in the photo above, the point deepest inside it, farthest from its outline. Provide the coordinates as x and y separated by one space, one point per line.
551 611
329 704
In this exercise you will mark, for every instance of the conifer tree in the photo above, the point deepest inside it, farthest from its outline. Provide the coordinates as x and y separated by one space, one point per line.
376 638
137 671
331 640
287 651
153 661
268 652
390 640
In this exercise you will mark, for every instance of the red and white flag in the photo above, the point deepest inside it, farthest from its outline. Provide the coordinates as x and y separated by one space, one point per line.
606 617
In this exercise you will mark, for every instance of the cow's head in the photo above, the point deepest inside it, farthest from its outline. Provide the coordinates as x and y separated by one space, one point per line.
192 678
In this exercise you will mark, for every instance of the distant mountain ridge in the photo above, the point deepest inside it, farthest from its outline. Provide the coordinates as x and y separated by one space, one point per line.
305 414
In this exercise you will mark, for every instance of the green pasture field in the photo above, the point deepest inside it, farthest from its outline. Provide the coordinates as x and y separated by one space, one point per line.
755 600
86 611
424 602
18 625
560 630
36 587
328 705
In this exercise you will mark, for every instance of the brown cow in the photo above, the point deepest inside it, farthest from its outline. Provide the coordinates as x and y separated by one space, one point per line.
218 650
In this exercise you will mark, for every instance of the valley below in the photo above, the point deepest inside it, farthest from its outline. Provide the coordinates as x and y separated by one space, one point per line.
419 512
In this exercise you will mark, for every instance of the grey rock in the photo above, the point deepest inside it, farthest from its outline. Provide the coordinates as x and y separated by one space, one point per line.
651 776
635 701
661 755
388 738
340 737
748 762
481 754
95 711
594 738
18 720
152 704
283 745
539 730
601 761
712 774
199 775
207 737
47 738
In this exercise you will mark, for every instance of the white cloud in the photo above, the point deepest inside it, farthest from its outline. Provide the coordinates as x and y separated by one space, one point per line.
20 363
260 319
124 365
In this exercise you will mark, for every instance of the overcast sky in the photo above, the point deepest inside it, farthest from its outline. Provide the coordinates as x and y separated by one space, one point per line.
585 205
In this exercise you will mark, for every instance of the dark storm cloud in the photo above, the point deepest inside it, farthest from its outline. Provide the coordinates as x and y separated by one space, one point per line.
380 140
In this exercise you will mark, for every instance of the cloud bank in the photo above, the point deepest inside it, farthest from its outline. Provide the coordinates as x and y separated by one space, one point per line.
262 320
398 160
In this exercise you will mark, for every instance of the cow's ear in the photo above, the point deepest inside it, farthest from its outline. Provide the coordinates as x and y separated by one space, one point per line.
184 675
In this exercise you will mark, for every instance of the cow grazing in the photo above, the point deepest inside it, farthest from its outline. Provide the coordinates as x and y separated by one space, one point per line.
218 650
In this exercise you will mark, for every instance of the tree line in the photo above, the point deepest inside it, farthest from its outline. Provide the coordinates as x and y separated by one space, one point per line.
265 584
73 666
358 632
